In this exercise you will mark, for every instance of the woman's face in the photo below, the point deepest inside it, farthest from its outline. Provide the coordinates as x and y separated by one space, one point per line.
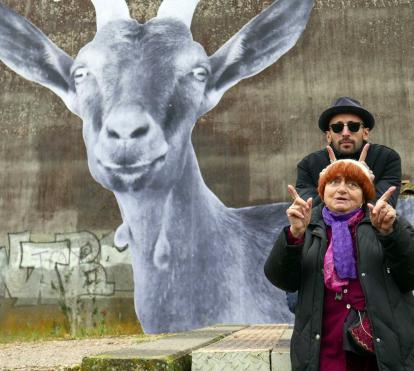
342 196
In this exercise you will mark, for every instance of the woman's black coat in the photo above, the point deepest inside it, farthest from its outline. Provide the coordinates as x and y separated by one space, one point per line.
386 273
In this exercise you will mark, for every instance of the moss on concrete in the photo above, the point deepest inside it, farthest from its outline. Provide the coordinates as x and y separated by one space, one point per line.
105 362
172 353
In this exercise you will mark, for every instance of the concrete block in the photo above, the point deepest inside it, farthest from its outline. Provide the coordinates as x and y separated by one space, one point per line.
171 353
248 349
280 356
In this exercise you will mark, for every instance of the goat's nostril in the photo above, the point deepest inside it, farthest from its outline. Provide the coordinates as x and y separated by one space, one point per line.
112 134
126 130
140 131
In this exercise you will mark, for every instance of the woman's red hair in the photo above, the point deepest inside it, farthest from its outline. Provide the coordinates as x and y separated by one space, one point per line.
350 171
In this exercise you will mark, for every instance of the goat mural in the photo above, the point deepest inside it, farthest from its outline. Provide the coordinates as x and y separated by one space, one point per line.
139 89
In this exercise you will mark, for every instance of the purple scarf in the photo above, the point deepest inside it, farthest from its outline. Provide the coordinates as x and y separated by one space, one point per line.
343 251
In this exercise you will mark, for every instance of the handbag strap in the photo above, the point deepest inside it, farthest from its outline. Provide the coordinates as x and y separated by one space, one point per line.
362 325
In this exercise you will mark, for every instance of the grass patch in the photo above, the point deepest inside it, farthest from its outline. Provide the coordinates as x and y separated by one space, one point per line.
63 334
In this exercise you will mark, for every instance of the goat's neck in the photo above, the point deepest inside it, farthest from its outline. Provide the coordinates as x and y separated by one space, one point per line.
151 216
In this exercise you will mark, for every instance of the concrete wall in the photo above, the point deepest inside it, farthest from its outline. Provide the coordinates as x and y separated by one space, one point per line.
68 283
56 222
249 146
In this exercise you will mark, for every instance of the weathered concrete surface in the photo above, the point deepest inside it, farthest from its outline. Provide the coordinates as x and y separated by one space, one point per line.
258 347
280 356
77 283
248 146
216 348
265 125
170 353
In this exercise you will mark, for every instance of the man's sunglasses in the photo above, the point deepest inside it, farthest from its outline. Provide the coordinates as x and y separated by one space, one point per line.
337 127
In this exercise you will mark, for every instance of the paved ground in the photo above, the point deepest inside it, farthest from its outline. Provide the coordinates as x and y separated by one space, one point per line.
229 340
58 354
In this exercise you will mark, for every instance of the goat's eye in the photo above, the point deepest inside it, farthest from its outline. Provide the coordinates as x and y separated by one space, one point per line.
200 73
79 74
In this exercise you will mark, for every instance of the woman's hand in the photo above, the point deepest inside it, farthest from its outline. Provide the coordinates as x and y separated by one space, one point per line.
298 213
383 215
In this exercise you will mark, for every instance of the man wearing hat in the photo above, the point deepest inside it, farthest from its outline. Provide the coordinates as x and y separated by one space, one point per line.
347 126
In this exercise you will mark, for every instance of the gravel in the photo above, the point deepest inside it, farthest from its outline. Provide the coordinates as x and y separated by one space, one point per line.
58 354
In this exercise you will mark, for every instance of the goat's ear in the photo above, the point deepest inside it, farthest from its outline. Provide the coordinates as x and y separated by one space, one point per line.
28 52
260 43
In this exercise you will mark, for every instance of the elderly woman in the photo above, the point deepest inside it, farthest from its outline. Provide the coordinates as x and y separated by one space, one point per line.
353 264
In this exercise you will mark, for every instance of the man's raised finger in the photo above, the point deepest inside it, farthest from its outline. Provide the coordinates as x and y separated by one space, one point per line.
364 153
331 154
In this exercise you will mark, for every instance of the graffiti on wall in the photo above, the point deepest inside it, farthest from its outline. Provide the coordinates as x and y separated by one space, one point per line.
73 265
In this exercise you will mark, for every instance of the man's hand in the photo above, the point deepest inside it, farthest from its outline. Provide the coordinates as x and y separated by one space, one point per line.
383 215
298 213
362 157
331 154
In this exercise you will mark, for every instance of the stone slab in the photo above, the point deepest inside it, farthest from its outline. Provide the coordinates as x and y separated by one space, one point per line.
249 349
170 353
280 356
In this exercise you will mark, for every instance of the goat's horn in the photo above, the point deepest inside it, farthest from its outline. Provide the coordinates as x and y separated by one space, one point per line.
110 10
179 9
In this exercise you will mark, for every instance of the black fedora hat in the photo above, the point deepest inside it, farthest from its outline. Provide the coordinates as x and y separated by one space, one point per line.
346 105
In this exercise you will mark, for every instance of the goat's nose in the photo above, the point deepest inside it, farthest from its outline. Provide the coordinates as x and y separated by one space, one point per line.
128 124
134 133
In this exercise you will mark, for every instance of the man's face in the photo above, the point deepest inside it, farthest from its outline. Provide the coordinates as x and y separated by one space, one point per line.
346 141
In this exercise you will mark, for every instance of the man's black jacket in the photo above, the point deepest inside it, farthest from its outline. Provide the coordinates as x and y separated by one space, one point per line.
383 161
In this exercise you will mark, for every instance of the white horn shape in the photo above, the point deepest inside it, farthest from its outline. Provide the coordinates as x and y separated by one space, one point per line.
179 9
110 10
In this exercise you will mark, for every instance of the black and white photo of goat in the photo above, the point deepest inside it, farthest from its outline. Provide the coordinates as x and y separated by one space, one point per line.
139 90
